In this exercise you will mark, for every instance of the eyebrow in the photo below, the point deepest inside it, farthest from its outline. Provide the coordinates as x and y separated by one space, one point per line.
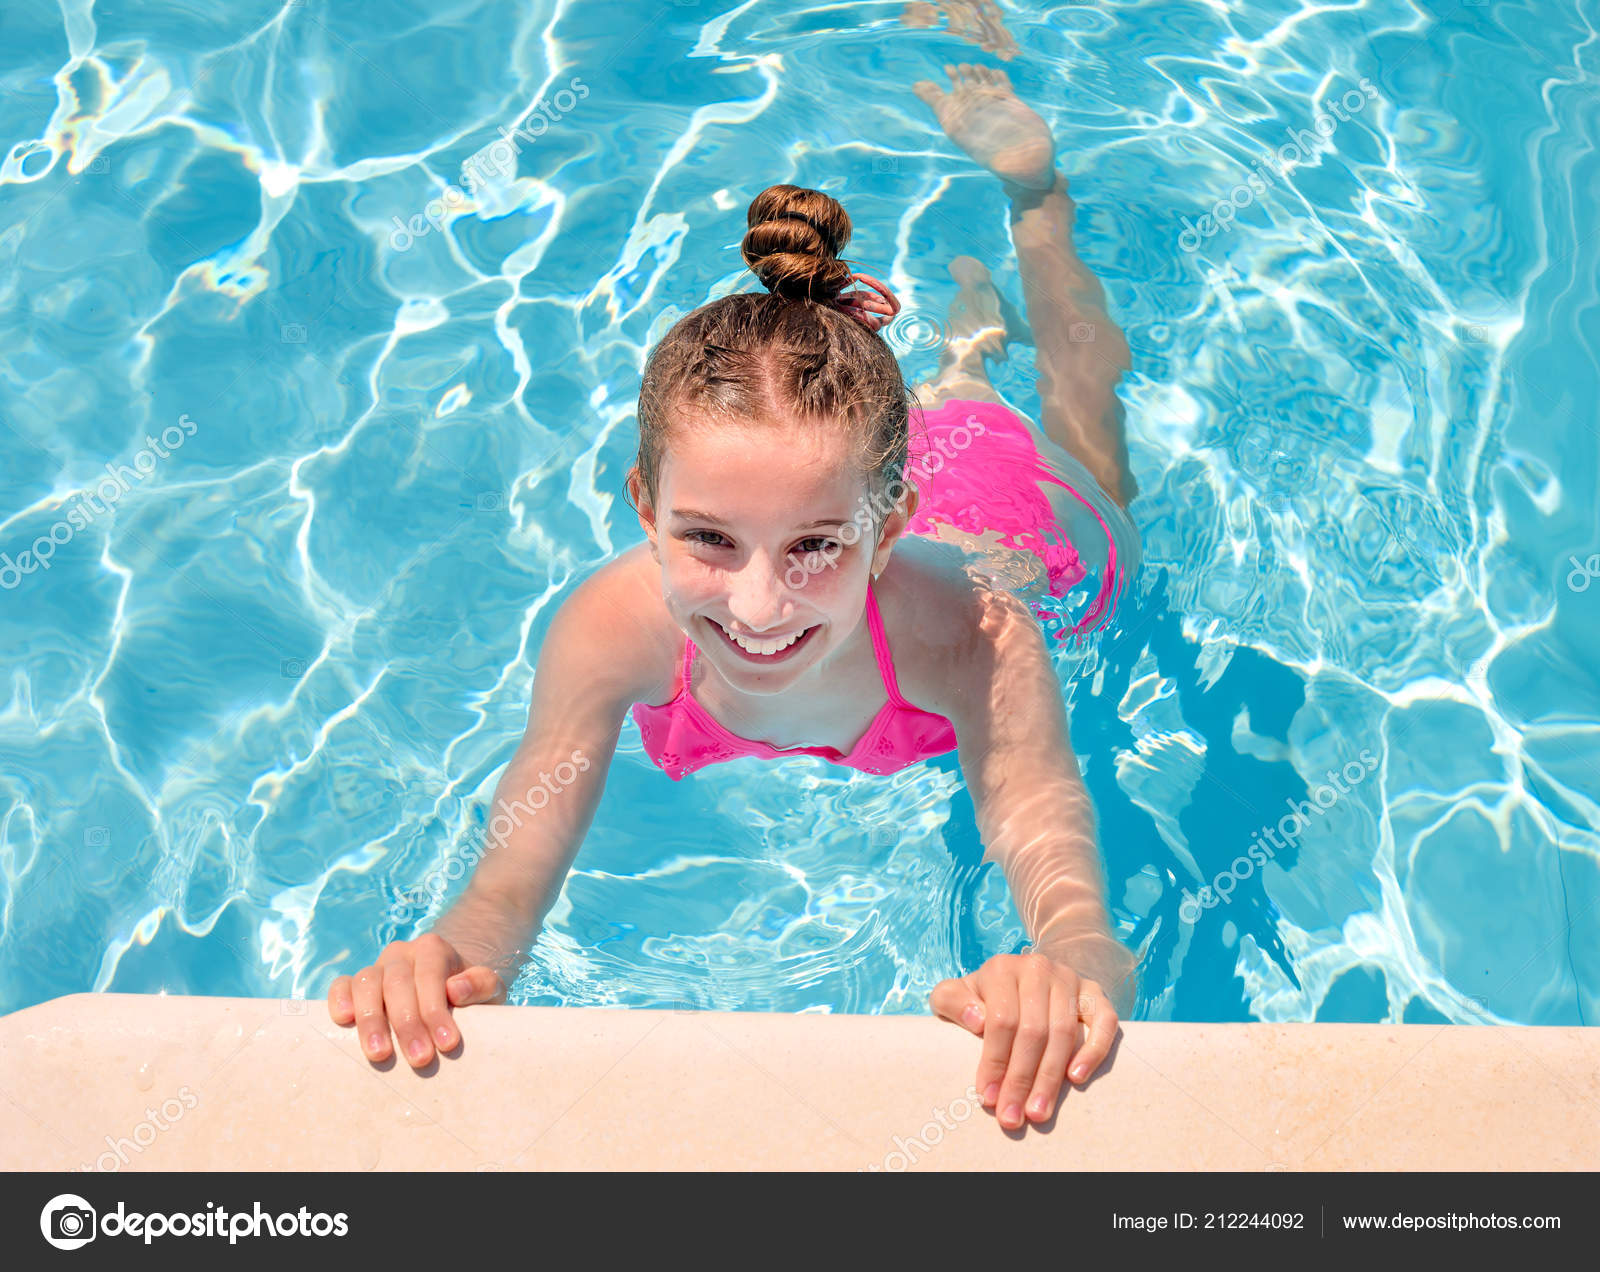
692 514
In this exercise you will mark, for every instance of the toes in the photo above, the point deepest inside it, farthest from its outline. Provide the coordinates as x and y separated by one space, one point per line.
929 92
968 271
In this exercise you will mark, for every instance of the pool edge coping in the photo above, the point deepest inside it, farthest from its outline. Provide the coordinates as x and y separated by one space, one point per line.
158 1082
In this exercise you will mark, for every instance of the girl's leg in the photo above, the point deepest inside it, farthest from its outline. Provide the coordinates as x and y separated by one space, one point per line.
980 322
1081 352
976 330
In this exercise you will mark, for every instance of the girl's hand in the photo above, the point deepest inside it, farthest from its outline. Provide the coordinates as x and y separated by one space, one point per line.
413 986
1027 1008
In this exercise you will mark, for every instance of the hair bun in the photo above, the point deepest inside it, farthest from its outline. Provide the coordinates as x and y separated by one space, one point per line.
794 241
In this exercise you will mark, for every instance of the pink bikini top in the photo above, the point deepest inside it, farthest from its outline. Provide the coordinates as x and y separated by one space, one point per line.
681 735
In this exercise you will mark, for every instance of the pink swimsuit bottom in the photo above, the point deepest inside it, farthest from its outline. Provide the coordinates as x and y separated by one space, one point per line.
985 478
976 468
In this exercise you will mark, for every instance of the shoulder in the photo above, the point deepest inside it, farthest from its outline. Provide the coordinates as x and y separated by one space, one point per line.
948 629
612 636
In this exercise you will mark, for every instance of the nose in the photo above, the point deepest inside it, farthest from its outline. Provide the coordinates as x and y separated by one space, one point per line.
758 598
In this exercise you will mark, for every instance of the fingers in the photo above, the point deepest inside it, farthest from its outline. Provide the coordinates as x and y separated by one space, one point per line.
435 961
996 983
341 1004
1028 1009
372 1026
1053 1067
1035 976
956 1001
1095 1008
475 985
405 1015
412 990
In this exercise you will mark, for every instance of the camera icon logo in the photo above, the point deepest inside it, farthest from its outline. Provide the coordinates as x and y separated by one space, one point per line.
67 1221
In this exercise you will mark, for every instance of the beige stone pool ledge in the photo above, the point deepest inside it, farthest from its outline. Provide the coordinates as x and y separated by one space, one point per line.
128 1082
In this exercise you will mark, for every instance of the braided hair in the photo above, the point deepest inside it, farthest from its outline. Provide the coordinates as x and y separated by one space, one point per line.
785 352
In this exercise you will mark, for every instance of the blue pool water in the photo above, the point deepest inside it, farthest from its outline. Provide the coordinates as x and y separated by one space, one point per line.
260 694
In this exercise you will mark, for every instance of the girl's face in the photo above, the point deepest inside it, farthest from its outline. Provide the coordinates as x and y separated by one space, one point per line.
766 539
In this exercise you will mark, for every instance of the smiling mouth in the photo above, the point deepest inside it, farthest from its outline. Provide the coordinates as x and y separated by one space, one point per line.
763 651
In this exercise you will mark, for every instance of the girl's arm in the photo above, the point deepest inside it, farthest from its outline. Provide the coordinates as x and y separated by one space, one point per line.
536 822
1032 808
1036 820
597 659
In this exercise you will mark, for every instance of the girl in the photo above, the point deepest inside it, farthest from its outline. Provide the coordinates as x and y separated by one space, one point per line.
779 607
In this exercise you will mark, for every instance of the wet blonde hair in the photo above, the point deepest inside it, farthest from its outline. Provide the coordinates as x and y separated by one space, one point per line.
788 351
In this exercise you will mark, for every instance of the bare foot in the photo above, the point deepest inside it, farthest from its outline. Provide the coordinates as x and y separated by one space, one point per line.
985 118
976 320
975 21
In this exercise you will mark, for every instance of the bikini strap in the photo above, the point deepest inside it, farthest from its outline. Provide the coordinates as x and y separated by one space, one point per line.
688 662
880 649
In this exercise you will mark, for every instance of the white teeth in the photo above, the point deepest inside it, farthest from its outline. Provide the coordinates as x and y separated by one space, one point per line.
766 648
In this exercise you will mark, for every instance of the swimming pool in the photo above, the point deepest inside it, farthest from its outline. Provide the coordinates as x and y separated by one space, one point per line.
376 431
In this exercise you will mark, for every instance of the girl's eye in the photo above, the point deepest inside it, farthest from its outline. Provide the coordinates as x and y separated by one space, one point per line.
712 539
807 546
